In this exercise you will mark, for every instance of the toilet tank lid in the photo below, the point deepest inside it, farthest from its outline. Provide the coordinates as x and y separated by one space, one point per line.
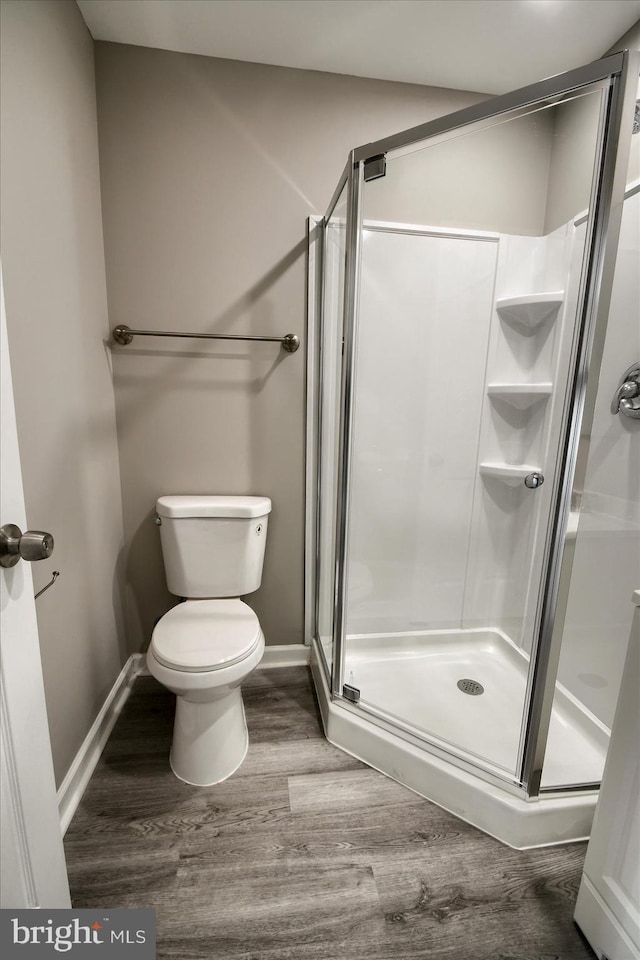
213 506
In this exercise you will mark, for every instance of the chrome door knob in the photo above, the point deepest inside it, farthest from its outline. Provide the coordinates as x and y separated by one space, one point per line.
15 545
533 480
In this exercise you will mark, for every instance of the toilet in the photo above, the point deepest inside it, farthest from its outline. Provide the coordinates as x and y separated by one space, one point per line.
204 648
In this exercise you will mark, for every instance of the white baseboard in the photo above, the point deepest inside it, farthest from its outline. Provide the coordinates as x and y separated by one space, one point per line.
79 773
143 669
276 655
285 655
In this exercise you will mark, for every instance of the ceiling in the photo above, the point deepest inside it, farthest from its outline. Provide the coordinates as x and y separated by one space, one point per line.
490 46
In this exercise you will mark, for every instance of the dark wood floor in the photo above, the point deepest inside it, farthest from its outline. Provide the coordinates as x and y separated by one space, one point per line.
305 853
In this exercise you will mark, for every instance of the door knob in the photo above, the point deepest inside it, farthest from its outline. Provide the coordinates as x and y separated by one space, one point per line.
32 545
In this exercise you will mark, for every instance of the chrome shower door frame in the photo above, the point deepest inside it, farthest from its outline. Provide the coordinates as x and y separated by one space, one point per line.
347 390
620 73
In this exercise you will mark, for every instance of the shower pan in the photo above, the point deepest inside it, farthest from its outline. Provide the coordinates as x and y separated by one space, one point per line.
459 292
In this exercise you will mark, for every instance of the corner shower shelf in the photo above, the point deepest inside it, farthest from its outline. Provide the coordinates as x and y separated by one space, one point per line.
512 474
530 311
520 395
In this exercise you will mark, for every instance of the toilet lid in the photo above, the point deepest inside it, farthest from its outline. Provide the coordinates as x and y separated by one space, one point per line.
200 635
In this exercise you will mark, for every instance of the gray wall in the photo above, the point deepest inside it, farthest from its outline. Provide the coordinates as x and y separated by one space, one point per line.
628 41
575 135
575 139
631 41
209 170
53 266
493 179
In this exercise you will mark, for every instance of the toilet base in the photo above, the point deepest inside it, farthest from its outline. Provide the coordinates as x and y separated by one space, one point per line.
210 740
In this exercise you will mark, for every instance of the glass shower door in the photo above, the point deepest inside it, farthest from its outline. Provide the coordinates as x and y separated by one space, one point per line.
328 414
467 334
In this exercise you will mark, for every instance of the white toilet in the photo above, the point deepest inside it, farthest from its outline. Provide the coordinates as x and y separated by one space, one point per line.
204 648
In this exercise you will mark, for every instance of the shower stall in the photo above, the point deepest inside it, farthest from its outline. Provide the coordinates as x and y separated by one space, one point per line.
460 288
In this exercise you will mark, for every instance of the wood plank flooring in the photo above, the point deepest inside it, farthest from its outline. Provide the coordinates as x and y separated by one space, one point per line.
305 853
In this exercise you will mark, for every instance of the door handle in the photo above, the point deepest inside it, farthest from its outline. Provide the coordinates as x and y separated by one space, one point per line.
31 545
626 399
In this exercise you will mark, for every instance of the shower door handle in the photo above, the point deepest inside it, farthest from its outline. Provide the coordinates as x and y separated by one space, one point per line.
626 399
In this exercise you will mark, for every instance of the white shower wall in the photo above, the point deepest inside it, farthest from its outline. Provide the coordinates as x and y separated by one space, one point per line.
432 543
510 521
424 323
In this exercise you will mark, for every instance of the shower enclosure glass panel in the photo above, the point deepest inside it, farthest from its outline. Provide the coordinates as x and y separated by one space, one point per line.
329 361
605 533
469 306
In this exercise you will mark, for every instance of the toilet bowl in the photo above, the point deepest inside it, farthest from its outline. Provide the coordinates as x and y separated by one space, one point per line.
204 648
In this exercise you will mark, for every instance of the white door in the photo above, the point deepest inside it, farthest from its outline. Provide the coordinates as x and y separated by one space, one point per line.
607 908
32 867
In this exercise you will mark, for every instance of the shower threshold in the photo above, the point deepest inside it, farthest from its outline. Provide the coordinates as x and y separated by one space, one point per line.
414 678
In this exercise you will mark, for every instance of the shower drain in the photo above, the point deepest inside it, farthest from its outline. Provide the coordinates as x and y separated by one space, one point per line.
471 687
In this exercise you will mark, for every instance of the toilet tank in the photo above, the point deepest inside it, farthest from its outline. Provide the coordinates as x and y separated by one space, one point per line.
213 546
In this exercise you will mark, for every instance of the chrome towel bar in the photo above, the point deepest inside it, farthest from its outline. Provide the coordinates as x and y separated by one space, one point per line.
122 334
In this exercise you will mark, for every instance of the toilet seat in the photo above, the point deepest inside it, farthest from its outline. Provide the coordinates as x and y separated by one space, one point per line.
204 635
